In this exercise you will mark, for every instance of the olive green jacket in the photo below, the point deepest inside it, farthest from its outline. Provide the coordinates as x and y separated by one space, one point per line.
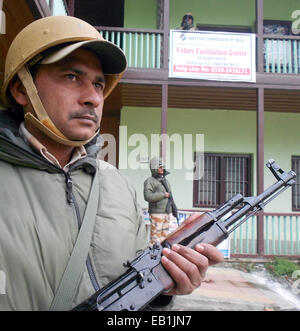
39 221
154 194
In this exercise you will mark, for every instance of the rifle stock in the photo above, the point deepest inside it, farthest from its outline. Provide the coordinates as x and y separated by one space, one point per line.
146 278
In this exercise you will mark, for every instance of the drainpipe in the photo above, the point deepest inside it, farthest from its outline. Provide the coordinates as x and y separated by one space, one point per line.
71 7
164 87
39 8
260 124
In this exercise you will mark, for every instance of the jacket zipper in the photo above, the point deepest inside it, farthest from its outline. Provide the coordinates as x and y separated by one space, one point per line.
72 200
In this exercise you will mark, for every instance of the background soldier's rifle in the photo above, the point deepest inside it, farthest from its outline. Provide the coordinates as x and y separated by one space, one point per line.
146 278
171 201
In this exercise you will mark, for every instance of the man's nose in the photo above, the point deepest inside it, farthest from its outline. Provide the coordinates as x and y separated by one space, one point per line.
90 96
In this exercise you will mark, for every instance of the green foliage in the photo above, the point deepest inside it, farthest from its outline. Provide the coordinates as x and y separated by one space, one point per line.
281 267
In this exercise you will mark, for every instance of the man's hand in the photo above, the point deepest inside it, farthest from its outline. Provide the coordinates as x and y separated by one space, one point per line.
188 266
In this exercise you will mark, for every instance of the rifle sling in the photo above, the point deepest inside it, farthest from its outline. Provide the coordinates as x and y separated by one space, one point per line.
69 282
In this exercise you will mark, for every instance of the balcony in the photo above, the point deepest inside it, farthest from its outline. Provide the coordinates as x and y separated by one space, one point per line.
148 69
144 49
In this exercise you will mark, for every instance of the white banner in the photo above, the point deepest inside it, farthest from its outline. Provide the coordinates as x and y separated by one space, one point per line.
222 56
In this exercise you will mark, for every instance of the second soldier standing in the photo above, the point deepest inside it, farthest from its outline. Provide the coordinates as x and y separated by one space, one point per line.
157 192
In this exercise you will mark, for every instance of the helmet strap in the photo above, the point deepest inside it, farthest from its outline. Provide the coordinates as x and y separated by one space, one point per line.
42 121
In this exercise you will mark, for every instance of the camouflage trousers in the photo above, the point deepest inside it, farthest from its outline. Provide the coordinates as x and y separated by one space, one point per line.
160 224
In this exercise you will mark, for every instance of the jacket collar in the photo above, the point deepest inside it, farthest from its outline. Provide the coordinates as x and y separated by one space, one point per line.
13 148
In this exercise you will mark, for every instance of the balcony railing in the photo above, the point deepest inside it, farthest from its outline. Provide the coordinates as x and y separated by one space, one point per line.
282 234
282 54
144 49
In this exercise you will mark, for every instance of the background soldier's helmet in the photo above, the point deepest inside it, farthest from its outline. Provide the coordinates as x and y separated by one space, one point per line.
156 162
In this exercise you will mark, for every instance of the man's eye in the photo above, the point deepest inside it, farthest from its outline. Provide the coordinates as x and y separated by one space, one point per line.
71 77
99 86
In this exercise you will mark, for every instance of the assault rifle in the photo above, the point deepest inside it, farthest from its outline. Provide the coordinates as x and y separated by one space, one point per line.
146 278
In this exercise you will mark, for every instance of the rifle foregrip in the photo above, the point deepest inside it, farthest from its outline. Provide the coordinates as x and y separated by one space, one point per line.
189 230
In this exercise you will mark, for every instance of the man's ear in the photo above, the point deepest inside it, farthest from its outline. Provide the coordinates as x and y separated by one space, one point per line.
18 92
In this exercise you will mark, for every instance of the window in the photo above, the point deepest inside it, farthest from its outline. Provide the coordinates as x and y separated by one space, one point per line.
296 186
223 176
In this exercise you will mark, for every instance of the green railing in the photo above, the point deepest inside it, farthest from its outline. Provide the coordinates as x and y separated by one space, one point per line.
143 47
282 56
243 239
281 235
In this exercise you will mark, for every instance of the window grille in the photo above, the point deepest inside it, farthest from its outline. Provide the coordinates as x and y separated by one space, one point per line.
224 175
296 186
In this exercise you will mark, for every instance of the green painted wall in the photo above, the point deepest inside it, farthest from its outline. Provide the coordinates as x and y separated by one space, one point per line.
140 123
282 140
229 12
224 132
280 10
142 13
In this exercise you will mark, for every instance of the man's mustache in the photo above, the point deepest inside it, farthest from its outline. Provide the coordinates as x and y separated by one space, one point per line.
84 112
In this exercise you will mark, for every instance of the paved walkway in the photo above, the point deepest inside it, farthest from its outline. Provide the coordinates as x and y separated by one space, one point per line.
233 290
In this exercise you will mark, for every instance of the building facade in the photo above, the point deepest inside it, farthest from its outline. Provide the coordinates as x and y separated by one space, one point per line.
228 130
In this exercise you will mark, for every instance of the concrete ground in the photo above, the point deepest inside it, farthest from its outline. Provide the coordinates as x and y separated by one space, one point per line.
227 289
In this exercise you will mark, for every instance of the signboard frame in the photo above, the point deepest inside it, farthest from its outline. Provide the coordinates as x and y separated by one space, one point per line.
211 55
